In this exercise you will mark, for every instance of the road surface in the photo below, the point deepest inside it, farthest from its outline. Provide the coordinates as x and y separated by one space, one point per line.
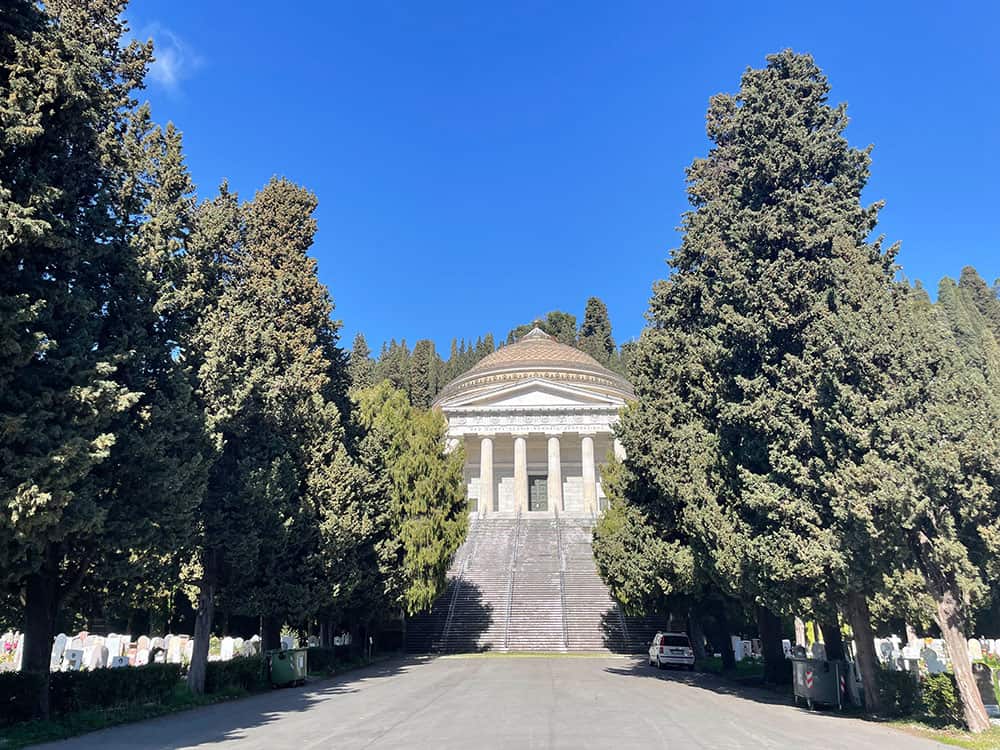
505 702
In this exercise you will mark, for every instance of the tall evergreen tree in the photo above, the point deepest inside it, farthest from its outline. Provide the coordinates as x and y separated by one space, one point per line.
67 296
983 297
422 379
761 377
362 367
595 332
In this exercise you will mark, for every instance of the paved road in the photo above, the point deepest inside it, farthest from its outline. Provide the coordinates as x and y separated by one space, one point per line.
473 703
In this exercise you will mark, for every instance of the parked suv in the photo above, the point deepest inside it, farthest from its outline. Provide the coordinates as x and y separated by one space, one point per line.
670 649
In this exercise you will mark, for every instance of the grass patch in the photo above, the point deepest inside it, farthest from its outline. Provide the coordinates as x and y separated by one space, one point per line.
989 740
90 720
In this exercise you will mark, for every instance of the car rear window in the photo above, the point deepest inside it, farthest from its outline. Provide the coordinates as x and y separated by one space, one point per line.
674 640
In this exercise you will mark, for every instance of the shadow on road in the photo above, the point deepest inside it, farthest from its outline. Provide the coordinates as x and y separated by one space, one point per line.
755 693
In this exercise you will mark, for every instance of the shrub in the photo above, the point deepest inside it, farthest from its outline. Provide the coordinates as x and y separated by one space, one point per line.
75 691
898 691
321 659
241 672
939 696
17 696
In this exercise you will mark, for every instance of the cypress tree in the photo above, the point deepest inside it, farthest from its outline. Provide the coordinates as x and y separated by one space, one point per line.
595 332
761 376
983 297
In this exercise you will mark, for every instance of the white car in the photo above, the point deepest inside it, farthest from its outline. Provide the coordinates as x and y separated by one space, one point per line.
671 649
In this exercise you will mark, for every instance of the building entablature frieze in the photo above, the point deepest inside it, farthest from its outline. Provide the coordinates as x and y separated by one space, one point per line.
545 424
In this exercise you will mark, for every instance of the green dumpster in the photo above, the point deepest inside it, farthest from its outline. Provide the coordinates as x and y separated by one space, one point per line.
287 666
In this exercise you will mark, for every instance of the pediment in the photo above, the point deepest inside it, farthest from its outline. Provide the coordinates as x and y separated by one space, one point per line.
534 393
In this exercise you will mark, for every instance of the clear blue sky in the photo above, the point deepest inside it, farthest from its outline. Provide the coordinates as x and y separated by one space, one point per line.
480 163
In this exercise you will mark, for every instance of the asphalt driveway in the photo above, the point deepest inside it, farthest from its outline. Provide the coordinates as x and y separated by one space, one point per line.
505 702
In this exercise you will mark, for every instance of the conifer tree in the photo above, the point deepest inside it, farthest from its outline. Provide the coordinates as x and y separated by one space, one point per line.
66 296
983 297
362 368
422 377
595 332
762 375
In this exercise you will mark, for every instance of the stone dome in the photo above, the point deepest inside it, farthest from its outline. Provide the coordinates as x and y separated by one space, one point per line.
538 355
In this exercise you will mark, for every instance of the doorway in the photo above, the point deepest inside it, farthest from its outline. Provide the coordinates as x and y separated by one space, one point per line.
538 493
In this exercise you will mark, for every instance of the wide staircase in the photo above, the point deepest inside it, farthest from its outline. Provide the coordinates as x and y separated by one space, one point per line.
525 584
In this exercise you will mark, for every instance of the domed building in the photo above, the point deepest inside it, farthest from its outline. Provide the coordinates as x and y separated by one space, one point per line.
535 418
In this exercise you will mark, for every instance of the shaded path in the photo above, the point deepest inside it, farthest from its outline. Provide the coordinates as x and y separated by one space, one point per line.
497 702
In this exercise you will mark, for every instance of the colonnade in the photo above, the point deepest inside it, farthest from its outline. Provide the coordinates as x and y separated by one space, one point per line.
487 482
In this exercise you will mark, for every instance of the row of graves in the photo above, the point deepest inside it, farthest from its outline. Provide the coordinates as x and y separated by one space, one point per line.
930 656
90 651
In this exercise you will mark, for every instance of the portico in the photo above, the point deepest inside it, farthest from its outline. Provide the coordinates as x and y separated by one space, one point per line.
536 422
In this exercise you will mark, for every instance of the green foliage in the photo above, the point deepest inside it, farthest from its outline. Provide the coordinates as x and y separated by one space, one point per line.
321 660
939 698
422 378
362 366
899 692
76 691
425 519
595 332
561 325
241 672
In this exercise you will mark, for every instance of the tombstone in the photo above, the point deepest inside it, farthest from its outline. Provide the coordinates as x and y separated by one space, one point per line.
133 654
786 646
174 650
114 645
142 657
287 641
117 662
883 647
226 648
935 664
738 652
895 640
58 647
167 640
238 645
975 649
984 681
143 643
76 642
98 657
156 643
72 660
189 650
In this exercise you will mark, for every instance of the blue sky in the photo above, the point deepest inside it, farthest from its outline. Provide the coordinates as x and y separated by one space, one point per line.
478 164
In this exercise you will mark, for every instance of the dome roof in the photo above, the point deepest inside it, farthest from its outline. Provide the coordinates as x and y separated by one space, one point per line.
538 355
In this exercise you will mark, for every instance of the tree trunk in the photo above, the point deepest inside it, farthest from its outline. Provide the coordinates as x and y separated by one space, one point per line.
697 636
270 636
723 636
864 639
776 669
832 641
950 621
39 631
202 638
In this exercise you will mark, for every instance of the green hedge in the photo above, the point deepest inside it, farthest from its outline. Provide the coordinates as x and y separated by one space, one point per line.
939 695
321 659
899 692
241 673
74 691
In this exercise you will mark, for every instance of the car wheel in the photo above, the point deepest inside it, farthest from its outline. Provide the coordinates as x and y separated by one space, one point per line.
659 664
690 667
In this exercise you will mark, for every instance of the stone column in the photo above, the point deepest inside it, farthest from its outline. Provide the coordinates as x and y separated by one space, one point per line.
555 475
589 475
486 475
520 473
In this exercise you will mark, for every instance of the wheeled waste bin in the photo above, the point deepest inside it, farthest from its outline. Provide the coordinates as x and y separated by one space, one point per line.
819 681
287 666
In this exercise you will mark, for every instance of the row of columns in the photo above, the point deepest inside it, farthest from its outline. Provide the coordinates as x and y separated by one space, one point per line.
487 484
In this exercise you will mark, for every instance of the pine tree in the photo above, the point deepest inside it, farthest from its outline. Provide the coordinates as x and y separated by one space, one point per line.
362 368
983 297
595 332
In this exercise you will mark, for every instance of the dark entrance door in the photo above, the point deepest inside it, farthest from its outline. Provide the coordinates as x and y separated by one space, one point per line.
538 493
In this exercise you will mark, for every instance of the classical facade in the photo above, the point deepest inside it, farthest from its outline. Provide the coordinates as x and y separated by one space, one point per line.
535 418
